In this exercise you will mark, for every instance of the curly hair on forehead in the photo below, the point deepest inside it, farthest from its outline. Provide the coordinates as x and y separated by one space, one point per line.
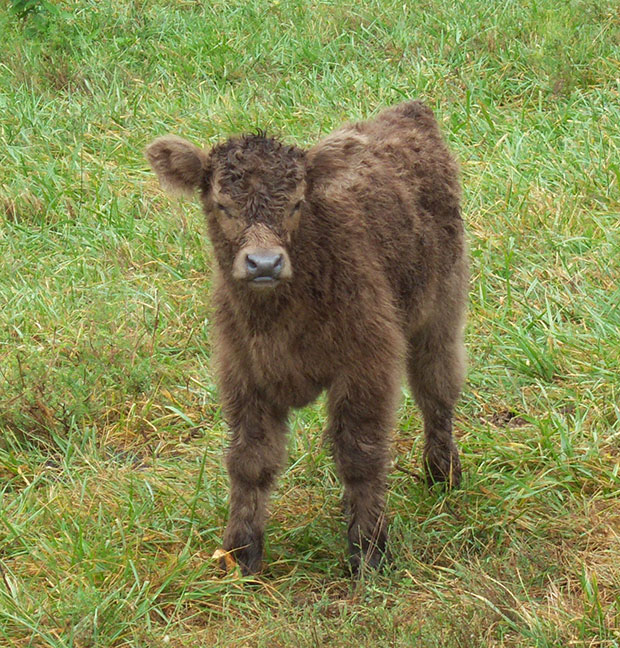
245 164
258 143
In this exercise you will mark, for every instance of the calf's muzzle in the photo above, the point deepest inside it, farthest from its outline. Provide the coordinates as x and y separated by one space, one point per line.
262 266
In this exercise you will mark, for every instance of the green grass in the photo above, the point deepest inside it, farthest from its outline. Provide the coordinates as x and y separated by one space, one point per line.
112 489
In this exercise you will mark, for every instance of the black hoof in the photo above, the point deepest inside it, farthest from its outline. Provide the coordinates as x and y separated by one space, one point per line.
247 551
370 556
442 465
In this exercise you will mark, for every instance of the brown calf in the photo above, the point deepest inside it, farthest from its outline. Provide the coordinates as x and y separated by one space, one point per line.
337 268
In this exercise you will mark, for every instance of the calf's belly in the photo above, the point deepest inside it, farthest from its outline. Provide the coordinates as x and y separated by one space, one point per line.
295 394
289 389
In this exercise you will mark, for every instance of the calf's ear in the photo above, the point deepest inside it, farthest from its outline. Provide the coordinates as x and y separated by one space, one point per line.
180 166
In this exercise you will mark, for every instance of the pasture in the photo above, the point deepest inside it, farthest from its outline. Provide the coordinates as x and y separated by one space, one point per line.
112 485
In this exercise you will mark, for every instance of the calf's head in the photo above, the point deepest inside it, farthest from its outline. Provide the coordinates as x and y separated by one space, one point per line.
252 189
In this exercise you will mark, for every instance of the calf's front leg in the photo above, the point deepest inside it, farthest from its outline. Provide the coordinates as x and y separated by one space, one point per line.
360 424
255 457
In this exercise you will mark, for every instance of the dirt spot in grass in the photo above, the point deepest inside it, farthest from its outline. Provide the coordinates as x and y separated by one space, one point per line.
23 208
506 418
58 73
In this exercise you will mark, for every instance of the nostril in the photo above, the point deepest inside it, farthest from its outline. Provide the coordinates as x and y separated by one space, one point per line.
251 263
278 264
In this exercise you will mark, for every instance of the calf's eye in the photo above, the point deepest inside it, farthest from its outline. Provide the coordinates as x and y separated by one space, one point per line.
223 209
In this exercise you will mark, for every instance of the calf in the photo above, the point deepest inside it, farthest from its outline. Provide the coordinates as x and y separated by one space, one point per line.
338 267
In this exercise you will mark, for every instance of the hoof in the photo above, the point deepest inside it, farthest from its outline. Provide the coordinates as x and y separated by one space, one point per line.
372 555
246 551
442 465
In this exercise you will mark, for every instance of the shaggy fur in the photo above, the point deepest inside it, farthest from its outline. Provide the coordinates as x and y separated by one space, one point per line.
371 283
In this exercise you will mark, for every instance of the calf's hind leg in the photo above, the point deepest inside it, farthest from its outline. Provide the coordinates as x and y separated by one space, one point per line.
436 368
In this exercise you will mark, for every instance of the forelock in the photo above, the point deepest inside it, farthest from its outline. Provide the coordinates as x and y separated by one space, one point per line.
242 163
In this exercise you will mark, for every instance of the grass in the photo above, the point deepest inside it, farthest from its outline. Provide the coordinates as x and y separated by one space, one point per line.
112 490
